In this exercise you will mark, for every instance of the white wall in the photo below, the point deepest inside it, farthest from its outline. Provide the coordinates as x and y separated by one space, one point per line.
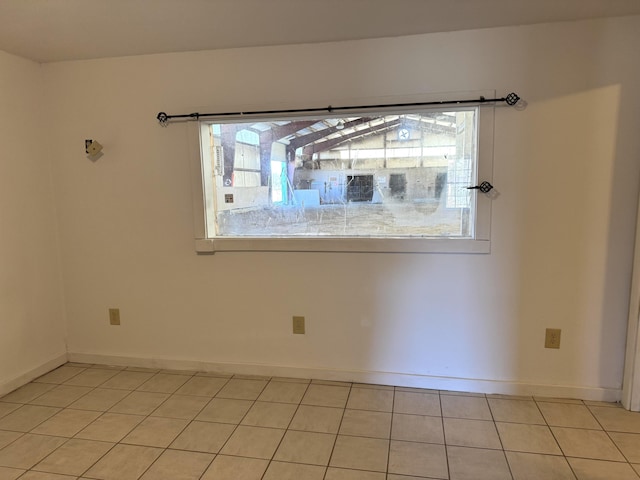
32 330
567 170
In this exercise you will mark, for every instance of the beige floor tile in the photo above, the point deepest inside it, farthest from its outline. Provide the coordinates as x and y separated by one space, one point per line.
203 437
306 381
393 476
28 450
110 427
178 465
60 396
267 414
7 437
139 403
568 415
124 462
127 380
363 423
317 419
283 392
374 386
417 428
92 377
26 418
7 408
529 466
636 467
156 432
74 457
292 471
335 383
225 410
100 399
573 401
502 396
600 470
617 419
66 423
345 474
360 453
236 468
143 369
202 386
595 403
27 392
242 389
326 395
163 383
169 371
515 411
244 376
306 447
459 406
416 390
462 394
370 399
215 374
417 403
527 438
594 444
254 442
116 368
7 473
477 464
181 406
418 459
60 375
32 475
104 366
471 433
628 443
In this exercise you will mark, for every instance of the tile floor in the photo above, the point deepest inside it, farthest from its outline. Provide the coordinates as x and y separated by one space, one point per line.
113 423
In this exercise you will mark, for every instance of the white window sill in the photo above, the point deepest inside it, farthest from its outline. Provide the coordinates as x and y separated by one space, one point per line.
339 244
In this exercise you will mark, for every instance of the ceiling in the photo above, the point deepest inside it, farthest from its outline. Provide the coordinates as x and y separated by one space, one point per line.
55 30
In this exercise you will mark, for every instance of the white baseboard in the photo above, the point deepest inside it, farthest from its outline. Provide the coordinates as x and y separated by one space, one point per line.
24 378
361 376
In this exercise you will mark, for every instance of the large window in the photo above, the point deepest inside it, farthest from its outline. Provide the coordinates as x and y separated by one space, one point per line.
365 182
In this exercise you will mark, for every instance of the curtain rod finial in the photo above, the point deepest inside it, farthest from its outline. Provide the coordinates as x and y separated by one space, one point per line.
512 99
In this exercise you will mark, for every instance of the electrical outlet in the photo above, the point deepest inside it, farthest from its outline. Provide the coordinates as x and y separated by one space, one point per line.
552 338
114 316
298 325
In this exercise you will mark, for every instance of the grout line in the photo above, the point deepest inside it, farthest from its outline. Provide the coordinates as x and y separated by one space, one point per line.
338 431
495 426
235 428
393 404
444 438
609 437
286 430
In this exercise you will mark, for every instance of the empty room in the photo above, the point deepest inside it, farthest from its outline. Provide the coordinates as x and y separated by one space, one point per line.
319 239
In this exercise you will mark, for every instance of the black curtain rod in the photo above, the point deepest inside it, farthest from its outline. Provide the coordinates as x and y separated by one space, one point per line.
510 100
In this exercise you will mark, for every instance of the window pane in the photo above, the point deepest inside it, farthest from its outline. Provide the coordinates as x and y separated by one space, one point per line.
393 175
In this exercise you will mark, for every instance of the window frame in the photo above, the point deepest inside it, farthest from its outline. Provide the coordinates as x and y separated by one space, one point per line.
202 175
